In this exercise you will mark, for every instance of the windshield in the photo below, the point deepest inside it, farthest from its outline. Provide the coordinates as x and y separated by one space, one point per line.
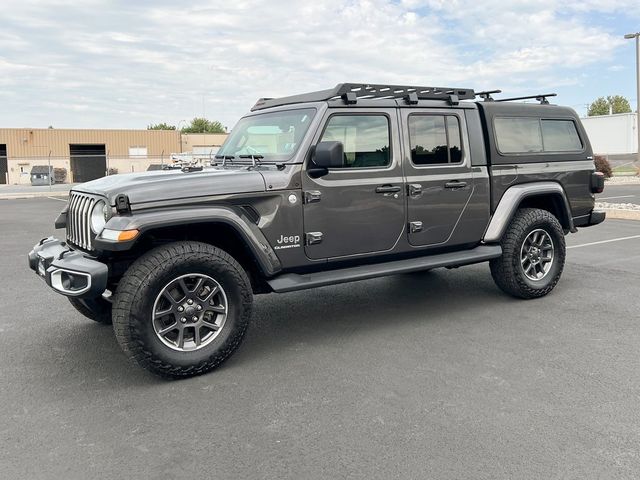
272 136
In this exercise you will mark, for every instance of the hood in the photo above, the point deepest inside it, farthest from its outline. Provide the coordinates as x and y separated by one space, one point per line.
175 184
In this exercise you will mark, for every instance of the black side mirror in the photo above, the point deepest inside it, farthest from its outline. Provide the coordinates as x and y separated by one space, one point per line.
326 155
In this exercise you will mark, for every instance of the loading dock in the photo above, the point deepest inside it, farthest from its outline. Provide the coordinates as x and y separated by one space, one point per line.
4 166
88 162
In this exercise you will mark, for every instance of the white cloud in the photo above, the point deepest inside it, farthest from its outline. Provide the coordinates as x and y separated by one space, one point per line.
157 61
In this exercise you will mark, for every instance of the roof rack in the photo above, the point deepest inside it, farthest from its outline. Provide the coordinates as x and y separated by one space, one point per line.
542 98
351 92
486 95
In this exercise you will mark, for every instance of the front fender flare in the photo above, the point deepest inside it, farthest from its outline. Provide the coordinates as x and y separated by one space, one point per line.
511 200
234 217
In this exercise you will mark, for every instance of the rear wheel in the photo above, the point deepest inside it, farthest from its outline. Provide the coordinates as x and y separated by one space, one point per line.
182 309
533 254
96 309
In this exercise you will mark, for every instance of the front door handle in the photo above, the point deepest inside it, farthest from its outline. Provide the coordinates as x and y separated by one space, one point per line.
387 189
455 184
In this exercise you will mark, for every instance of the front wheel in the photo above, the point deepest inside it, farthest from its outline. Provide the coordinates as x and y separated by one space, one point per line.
182 309
533 254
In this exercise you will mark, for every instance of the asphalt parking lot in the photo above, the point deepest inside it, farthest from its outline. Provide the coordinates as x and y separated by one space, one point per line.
620 194
430 375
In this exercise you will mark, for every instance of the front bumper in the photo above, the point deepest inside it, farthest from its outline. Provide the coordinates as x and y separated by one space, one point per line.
68 271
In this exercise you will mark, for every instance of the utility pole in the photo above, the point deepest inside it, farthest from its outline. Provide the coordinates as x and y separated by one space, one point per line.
637 37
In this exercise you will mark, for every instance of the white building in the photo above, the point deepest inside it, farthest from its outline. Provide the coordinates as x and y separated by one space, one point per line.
612 134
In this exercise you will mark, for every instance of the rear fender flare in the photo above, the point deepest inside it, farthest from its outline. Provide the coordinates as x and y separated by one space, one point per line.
513 197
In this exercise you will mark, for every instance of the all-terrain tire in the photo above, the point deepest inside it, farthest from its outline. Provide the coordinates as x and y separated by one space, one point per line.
142 283
508 271
96 309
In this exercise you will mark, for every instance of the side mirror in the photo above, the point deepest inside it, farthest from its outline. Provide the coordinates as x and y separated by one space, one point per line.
326 155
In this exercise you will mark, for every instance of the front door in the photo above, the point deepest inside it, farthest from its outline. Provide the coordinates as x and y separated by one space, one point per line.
439 177
360 207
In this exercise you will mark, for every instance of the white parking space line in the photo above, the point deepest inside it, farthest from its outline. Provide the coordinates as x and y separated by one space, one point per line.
59 199
619 196
604 241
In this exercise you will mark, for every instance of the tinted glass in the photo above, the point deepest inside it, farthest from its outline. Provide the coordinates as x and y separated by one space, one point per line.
455 140
276 136
365 139
560 136
428 135
518 135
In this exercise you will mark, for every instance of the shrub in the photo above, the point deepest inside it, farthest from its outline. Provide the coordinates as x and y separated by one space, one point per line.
60 175
603 165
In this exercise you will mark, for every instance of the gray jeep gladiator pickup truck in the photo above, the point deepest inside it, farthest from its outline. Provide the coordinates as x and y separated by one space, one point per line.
344 184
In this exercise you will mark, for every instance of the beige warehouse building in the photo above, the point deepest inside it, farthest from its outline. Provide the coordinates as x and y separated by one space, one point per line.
88 154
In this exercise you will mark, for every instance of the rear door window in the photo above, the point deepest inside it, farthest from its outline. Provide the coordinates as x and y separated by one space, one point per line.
435 139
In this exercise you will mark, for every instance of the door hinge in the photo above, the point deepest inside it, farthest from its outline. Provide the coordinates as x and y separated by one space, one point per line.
414 190
312 196
312 238
415 227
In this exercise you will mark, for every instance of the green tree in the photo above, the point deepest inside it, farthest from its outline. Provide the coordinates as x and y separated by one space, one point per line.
161 126
202 125
613 103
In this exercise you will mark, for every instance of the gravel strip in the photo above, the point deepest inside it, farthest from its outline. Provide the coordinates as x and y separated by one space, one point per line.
617 206
623 180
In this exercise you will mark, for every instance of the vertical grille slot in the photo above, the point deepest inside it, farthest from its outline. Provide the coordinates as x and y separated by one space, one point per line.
79 220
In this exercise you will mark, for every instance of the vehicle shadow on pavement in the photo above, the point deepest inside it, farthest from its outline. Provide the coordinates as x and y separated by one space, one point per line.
341 313
333 315
91 356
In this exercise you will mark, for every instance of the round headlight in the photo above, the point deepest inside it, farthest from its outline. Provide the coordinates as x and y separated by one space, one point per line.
99 216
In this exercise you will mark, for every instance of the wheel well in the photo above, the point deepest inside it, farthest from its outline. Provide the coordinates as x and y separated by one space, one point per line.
218 234
552 203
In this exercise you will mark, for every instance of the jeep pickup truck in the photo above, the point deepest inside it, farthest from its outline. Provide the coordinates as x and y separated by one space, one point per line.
344 184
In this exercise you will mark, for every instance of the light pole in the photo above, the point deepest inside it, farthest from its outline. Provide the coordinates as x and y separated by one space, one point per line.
637 37
180 132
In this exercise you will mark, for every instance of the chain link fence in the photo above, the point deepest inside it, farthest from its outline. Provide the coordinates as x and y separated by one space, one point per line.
81 168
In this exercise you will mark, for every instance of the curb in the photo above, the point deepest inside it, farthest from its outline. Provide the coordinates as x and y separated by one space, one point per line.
19 196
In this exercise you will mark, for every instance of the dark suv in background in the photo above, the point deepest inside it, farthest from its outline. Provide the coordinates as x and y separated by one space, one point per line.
344 184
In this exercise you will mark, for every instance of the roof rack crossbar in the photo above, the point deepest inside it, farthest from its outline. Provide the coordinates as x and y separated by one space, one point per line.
542 98
486 95
350 92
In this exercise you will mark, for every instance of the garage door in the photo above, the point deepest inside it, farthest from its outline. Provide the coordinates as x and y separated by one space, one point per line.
4 170
88 162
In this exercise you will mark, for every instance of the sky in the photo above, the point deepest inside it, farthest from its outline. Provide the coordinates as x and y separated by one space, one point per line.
128 64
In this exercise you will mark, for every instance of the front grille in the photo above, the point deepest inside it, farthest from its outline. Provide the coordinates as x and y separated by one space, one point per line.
79 220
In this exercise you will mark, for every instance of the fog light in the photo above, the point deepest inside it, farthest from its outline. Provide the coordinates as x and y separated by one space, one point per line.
70 282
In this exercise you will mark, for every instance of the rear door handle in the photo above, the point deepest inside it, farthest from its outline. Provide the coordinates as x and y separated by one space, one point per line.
455 184
387 189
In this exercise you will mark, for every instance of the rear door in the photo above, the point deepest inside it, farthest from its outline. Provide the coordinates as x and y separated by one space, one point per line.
359 208
439 176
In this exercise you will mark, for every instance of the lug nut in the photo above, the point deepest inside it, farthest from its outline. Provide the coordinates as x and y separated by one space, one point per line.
183 320
181 309
194 318
199 307
190 302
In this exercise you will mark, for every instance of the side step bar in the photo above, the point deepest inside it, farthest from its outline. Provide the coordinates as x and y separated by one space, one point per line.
289 282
